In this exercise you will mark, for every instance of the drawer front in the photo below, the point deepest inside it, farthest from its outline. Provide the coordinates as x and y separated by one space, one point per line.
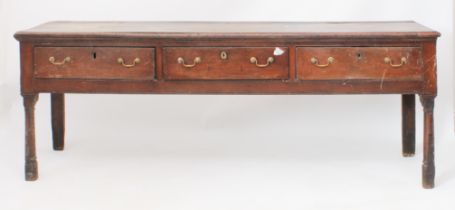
376 63
95 63
225 63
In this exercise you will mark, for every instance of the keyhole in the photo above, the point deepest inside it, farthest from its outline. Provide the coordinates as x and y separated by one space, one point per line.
94 55
359 56
223 55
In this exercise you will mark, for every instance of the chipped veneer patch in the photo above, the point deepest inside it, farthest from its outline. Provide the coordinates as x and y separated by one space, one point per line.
278 51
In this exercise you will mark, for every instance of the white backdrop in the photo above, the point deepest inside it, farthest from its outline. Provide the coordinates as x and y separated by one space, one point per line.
224 152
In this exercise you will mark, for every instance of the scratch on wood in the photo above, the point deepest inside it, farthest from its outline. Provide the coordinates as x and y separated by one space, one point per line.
382 78
431 59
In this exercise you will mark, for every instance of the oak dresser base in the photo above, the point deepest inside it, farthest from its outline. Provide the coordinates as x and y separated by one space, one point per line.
230 58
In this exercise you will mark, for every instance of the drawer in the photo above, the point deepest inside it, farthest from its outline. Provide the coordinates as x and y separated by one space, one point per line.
225 63
94 63
376 63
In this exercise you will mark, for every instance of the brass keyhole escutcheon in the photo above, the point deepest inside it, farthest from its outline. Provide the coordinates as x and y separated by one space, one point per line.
223 55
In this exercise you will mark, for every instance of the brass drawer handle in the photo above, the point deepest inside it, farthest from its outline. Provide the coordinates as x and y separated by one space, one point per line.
315 62
254 60
122 61
197 60
65 60
388 60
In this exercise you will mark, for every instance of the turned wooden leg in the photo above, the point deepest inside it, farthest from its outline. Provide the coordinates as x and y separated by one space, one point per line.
31 164
58 120
408 125
428 168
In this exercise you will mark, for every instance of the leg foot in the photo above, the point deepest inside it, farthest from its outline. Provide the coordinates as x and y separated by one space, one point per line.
428 172
408 125
58 120
31 170
410 154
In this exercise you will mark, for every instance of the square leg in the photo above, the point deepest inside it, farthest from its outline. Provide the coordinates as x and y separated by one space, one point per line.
408 125
31 163
428 166
58 120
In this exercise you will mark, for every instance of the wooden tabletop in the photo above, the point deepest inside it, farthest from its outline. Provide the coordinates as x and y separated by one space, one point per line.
69 29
